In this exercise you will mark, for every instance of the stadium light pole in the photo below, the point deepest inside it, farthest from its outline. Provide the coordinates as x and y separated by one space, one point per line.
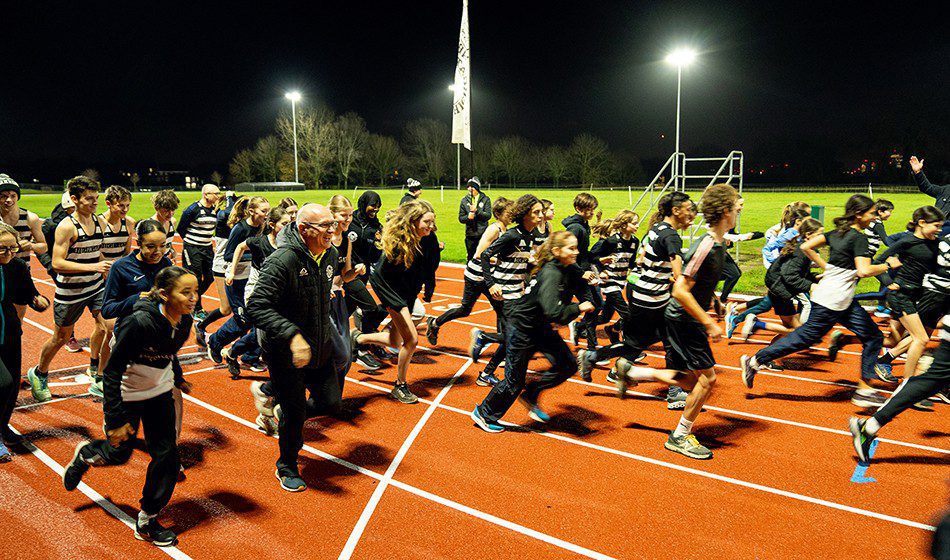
679 58
294 97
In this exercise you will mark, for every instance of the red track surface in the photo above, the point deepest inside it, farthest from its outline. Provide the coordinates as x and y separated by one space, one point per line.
391 480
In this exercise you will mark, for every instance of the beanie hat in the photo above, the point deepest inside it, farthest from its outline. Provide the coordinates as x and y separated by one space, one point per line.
475 183
413 185
67 201
8 184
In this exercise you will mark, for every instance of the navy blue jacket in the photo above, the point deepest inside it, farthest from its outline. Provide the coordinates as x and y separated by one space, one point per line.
128 278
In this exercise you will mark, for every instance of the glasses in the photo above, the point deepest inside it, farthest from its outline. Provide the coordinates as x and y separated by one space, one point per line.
322 226
8 249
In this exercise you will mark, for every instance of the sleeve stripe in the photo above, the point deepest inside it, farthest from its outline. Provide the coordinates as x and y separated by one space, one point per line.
696 261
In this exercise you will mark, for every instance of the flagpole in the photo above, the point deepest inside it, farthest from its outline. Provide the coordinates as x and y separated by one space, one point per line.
458 167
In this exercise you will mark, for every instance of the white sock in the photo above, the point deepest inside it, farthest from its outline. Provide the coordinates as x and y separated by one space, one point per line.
640 373
871 426
753 363
683 428
144 517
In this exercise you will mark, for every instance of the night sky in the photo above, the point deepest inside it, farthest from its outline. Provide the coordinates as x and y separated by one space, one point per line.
189 85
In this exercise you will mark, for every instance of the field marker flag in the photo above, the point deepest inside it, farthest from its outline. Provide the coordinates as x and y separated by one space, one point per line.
462 103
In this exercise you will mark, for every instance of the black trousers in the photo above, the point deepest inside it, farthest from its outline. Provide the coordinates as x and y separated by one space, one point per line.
10 373
358 297
730 276
613 301
470 294
521 348
157 416
290 386
917 388
471 244
588 323
197 259
820 321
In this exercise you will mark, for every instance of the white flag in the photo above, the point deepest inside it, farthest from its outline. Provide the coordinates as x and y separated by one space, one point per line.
462 104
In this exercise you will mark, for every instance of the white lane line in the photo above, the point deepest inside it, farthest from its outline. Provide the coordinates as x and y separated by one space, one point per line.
543 537
697 472
96 497
360 527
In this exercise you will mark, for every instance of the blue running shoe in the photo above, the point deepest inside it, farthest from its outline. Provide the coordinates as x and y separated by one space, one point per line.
884 372
730 318
476 343
487 425
486 379
534 411
5 455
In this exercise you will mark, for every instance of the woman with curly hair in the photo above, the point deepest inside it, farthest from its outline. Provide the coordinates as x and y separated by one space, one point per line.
397 280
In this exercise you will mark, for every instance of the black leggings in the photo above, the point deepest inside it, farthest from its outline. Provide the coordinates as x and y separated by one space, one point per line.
470 294
357 296
613 301
197 259
730 276
10 367
917 388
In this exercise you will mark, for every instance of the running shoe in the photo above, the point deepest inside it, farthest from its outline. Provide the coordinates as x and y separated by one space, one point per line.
489 426
73 345
748 326
575 333
926 405
291 483
257 366
476 344
882 312
773 366
95 388
623 381
77 466
585 364
214 355
676 398
641 358
884 372
486 379
535 413
689 446
358 320
39 385
201 337
402 394
153 532
432 331
262 402
862 441
748 372
612 376
867 399
381 354
835 345
942 395
10 437
613 334
266 423
367 360
5 455
234 367
730 318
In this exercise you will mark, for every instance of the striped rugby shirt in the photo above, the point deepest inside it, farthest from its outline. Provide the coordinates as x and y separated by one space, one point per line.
660 246
875 233
22 227
623 252
74 287
199 222
473 269
510 270
940 281
169 236
114 242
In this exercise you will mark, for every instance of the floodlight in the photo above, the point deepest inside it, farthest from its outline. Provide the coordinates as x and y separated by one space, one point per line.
293 96
681 57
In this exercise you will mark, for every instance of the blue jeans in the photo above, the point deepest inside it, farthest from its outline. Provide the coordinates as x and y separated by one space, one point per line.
819 322
762 306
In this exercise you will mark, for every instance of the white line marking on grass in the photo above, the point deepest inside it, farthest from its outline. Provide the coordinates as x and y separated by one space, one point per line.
357 532
698 472
96 497
414 490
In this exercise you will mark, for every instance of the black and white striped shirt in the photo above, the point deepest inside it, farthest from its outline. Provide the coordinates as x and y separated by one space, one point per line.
170 236
940 281
623 252
199 222
875 234
510 269
114 242
24 233
660 246
73 287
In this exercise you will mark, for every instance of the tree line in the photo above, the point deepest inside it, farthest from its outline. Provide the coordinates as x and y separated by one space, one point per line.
338 150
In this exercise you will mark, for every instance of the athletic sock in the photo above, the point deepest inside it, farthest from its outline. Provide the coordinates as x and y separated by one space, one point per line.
40 373
683 428
759 325
886 357
212 317
144 518
872 426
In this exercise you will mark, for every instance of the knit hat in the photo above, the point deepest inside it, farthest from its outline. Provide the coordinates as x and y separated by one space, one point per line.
475 183
67 201
8 184
413 185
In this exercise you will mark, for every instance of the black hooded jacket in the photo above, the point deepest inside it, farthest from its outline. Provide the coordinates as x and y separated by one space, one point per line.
293 296
581 230
369 231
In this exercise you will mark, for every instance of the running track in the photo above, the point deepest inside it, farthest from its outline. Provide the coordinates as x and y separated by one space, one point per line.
389 480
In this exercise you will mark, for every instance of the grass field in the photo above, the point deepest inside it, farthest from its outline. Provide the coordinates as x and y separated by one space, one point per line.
761 211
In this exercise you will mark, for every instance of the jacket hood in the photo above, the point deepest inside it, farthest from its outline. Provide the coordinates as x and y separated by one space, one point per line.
368 198
148 306
574 219
289 237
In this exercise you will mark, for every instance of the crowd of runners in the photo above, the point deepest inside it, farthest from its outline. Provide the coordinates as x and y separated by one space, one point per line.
307 292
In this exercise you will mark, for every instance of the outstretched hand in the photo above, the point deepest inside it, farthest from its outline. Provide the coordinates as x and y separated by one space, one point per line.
916 165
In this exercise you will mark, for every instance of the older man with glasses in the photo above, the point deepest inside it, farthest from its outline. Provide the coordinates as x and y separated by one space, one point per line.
290 307
196 228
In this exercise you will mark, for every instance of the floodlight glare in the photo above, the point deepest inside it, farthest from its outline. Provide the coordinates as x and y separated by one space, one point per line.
293 96
451 87
681 57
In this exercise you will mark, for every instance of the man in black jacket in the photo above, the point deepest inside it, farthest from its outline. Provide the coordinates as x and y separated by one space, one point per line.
585 205
290 307
474 212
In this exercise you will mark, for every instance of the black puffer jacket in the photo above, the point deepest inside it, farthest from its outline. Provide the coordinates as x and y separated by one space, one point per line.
581 230
293 296
366 245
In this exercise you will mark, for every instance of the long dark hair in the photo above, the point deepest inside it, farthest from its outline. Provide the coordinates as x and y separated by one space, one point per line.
665 206
166 280
858 204
926 213
806 228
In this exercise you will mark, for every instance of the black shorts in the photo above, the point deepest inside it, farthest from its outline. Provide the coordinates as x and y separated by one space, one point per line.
931 307
643 327
687 346
783 307
903 302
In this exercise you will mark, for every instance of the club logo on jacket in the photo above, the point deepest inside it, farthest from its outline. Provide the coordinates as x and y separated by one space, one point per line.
303 272
352 236
329 272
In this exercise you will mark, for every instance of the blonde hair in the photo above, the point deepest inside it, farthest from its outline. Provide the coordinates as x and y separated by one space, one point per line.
609 227
400 240
338 202
556 240
242 207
